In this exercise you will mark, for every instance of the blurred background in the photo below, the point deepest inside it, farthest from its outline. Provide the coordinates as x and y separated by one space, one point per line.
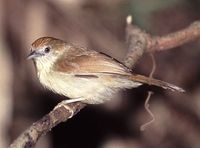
100 25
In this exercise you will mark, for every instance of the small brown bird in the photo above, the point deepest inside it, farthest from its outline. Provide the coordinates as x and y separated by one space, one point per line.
82 74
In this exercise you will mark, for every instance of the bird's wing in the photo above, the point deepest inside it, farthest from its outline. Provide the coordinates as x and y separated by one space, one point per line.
155 82
88 64
84 62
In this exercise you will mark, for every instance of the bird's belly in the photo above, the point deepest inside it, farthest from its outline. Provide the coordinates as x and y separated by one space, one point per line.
93 90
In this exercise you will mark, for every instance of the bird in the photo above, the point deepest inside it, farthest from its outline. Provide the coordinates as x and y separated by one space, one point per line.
82 74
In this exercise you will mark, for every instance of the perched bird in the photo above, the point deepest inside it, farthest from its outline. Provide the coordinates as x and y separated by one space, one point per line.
83 74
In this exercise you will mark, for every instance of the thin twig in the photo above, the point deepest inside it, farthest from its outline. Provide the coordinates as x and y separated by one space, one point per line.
146 104
153 66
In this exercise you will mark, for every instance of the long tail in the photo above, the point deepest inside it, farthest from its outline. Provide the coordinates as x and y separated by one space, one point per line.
156 82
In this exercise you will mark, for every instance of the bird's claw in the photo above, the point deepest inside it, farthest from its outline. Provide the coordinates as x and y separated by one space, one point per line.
66 106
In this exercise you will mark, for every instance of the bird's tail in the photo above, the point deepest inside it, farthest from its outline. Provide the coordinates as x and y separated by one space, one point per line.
156 82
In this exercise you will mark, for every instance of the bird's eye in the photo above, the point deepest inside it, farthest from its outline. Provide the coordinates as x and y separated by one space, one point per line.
47 50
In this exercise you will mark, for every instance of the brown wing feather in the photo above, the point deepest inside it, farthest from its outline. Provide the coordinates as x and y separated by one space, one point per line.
156 82
85 61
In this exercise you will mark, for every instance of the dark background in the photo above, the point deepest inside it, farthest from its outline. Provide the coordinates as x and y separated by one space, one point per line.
100 25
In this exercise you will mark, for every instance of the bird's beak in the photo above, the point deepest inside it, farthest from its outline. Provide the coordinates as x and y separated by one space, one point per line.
34 54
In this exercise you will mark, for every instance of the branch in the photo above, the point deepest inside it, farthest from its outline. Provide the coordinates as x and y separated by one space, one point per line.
30 137
175 39
139 42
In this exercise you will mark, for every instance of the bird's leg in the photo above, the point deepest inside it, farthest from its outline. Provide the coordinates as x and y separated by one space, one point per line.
65 103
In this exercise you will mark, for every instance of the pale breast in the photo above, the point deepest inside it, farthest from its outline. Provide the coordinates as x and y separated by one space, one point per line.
94 90
70 86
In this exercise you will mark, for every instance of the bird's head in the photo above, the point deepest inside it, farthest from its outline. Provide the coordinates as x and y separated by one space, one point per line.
46 50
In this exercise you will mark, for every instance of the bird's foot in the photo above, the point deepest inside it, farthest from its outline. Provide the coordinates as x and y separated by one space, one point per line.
65 103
